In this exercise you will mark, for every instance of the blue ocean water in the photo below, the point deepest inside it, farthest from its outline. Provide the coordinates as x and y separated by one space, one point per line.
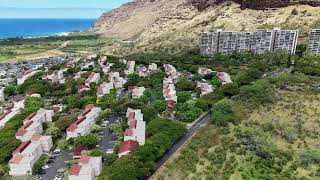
10 28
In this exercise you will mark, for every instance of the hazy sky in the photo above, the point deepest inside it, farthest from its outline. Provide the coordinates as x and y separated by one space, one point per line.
56 8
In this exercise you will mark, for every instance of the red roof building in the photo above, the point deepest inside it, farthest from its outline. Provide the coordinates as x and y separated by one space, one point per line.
75 169
127 147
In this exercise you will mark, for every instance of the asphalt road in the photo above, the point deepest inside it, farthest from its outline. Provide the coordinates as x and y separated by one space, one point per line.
59 162
106 141
191 131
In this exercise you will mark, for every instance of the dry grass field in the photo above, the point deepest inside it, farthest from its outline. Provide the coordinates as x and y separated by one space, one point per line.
287 130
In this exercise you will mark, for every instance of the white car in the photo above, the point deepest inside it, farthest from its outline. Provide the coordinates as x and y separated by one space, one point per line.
46 167
109 151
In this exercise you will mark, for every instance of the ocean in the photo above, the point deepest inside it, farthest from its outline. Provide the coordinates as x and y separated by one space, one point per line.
11 28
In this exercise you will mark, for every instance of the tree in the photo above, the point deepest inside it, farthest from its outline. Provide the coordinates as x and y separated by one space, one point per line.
34 103
230 89
90 140
52 130
95 153
193 114
64 122
185 85
224 112
183 96
10 90
202 104
149 113
159 105
215 82
107 100
39 164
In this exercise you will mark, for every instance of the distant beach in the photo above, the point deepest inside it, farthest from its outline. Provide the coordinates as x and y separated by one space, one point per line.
32 28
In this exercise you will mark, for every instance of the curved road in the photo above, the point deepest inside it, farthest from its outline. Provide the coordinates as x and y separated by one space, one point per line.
191 131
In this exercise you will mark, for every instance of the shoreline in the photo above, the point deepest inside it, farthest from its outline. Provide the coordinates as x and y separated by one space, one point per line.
56 35
52 27
61 34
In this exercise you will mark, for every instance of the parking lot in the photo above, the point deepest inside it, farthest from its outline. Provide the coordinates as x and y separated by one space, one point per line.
106 143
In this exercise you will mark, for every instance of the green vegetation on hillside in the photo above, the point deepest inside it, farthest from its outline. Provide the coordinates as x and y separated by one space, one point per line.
265 126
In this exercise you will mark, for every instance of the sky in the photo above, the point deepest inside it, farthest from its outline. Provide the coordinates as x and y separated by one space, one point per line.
56 8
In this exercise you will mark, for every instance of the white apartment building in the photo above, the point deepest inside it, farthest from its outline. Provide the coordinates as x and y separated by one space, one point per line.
33 124
84 122
104 89
106 68
209 43
261 41
152 67
118 82
204 71
243 42
258 42
314 41
45 141
142 71
170 70
87 168
93 78
24 158
205 88
136 91
137 127
56 77
11 110
224 78
227 42
130 67
26 75
285 40
169 93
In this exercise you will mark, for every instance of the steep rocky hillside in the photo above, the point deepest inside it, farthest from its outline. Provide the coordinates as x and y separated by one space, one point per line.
174 25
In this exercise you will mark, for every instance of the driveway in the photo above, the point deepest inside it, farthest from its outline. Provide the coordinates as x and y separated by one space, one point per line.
59 162
106 141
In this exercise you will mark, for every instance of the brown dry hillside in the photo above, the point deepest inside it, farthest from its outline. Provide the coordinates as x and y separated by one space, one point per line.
174 25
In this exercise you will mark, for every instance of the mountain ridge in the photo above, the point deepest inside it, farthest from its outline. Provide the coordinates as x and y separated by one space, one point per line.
174 25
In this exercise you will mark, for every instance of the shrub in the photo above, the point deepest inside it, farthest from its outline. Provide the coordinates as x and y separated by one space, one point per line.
310 157
159 105
95 153
39 164
90 140
183 96
224 112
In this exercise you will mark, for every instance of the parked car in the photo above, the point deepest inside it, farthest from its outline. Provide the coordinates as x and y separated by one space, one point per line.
50 161
109 151
60 171
57 151
42 171
46 167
